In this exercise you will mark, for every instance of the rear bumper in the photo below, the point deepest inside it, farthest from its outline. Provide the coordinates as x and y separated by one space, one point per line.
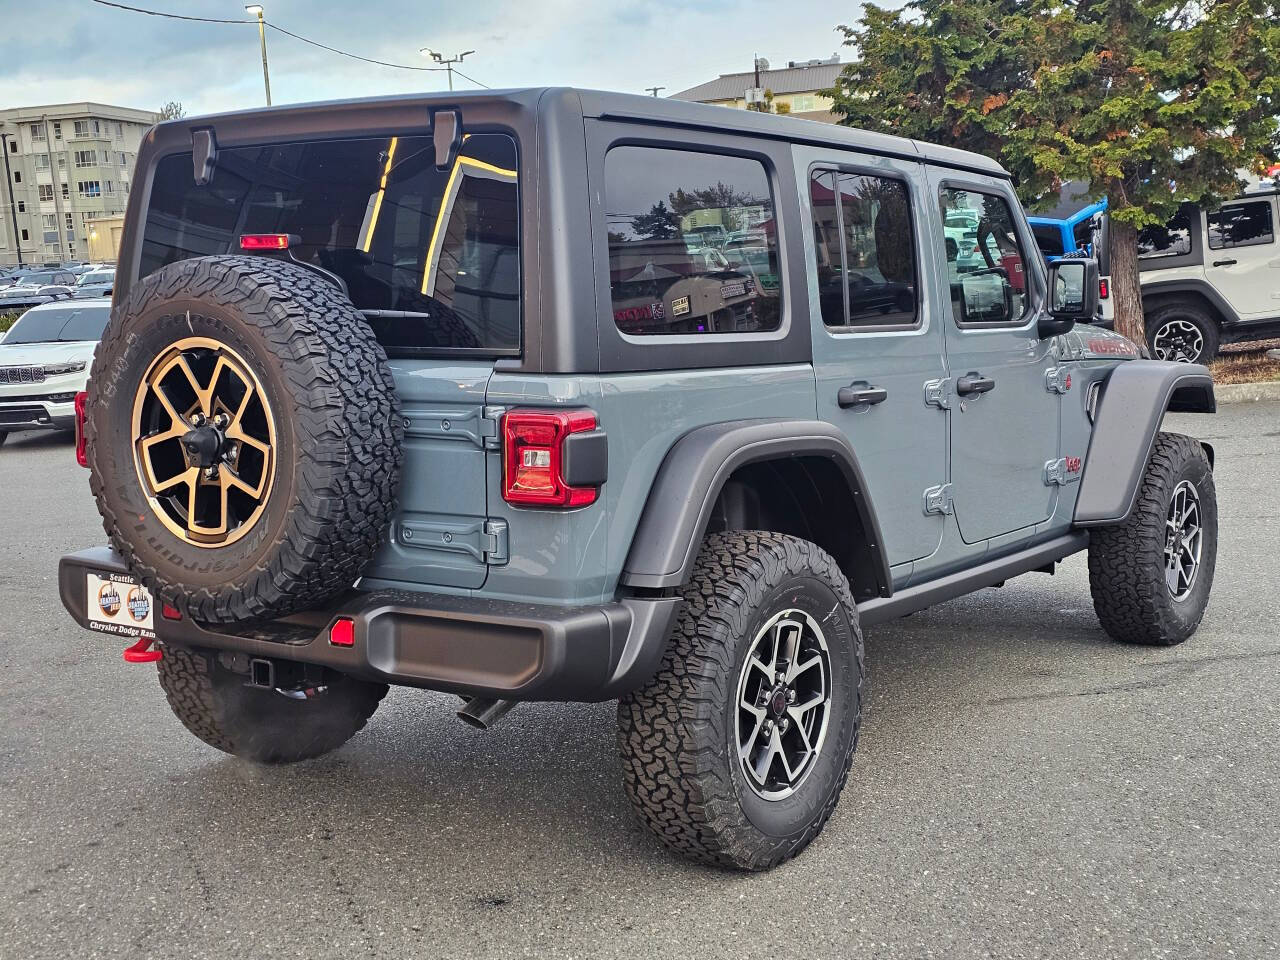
464 645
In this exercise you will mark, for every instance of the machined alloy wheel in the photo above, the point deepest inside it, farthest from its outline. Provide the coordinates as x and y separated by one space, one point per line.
783 698
205 442
1183 541
1178 340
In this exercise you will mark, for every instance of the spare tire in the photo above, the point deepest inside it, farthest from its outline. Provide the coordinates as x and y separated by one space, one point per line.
244 437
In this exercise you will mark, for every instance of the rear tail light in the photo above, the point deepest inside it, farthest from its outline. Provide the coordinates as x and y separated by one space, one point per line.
82 443
264 241
1104 288
533 458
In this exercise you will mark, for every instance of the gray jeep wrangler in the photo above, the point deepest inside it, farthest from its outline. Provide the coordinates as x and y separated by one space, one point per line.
562 395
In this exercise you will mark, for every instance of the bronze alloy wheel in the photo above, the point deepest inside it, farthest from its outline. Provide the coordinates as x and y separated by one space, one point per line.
204 442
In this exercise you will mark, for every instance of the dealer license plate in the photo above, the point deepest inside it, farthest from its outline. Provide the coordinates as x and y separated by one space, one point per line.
119 605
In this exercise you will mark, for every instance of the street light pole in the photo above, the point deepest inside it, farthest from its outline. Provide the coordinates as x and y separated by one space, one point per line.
256 8
446 63
654 90
13 207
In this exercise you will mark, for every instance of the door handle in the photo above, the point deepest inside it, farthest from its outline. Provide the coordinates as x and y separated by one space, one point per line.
1224 263
860 394
972 383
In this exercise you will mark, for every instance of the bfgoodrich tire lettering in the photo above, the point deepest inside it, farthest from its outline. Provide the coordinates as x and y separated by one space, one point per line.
1133 595
677 734
336 436
223 710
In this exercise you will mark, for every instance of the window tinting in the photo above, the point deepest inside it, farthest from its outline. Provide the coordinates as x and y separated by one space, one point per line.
1048 239
985 263
865 250
1241 225
693 245
432 257
1172 239
60 324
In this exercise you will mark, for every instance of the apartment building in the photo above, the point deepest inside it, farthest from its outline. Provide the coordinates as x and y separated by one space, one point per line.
65 165
798 89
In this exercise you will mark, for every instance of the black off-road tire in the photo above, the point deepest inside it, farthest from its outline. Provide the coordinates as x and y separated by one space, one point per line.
676 734
1127 561
223 710
337 467
1190 312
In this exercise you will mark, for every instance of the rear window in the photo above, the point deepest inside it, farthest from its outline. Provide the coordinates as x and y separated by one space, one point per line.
693 246
431 256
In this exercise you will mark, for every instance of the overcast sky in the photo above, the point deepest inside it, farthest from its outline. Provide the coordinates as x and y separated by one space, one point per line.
54 51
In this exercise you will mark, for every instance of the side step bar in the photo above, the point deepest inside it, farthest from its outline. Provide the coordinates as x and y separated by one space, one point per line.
911 599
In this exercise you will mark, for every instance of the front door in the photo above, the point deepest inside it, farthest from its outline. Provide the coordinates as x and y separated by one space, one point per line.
876 340
1243 259
1004 413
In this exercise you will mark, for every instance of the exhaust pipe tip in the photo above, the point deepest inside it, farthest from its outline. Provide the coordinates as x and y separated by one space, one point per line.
483 712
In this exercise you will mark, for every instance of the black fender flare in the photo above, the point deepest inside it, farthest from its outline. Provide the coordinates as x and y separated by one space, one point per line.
1152 289
1134 399
678 510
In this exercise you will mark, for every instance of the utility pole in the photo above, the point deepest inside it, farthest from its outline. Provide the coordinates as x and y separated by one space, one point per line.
448 62
8 181
256 8
654 90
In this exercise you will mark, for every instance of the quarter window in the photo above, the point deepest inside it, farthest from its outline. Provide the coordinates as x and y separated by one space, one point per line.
1241 225
693 245
1171 239
985 263
865 246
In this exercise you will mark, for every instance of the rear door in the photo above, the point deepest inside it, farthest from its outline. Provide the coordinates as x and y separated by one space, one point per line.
431 257
877 339
1004 417
1243 260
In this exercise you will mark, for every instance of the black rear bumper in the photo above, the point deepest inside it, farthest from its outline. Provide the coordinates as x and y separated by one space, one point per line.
463 645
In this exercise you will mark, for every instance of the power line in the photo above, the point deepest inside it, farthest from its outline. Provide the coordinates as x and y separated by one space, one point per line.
288 33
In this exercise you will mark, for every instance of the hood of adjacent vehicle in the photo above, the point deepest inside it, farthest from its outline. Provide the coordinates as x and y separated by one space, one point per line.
1087 342
38 354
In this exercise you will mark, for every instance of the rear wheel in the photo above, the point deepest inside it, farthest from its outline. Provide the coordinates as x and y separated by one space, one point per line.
284 725
736 752
1182 332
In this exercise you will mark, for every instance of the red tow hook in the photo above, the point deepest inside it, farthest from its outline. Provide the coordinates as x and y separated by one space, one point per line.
140 652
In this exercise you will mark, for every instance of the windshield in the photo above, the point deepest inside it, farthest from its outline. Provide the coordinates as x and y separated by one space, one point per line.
96 276
431 256
59 325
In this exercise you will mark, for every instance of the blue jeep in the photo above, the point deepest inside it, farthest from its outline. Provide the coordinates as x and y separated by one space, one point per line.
563 395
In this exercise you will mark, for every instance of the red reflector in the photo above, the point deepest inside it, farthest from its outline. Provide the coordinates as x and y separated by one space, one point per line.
1104 289
264 241
533 457
170 612
343 633
82 443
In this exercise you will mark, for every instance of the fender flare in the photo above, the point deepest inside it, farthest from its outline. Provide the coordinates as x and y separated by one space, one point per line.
1161 288
1135 397
678 510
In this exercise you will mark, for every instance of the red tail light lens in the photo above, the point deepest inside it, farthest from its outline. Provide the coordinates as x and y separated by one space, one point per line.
264 241
1104 289
533 457
82 443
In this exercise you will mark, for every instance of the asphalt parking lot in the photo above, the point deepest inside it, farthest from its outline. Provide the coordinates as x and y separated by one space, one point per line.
1023 788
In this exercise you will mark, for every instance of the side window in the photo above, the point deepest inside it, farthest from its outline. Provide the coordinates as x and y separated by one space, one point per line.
693 245
1172 239
1241 225
985 262
1048 239
865 250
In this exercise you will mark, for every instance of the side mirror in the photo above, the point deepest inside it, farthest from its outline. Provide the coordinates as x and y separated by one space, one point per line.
1073 296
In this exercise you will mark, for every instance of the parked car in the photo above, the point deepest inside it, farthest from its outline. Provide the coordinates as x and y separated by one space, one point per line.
459 408
97 282
44 361
31 287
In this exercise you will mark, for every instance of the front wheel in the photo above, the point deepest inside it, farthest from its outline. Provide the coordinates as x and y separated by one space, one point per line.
736 752
1151 575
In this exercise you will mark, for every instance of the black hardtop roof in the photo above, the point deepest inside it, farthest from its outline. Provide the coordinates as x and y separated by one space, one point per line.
633 108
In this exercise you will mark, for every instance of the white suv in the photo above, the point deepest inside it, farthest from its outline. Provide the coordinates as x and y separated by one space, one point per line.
44 363
1212 277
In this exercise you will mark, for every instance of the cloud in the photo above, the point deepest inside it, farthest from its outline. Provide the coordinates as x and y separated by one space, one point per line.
129 59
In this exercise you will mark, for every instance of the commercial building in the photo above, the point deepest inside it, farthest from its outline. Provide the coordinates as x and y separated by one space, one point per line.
796 89
65 165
